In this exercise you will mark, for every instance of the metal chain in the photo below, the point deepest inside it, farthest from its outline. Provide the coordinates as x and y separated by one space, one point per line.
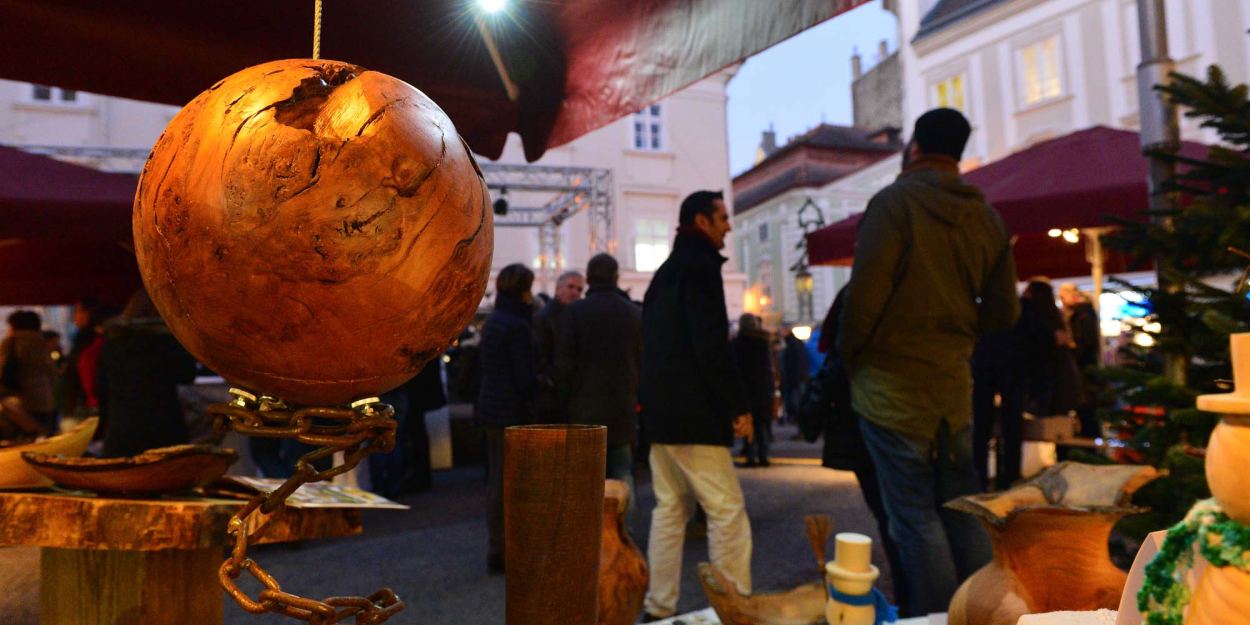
363 428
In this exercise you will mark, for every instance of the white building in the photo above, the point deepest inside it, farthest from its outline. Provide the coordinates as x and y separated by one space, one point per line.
656 157
1028 70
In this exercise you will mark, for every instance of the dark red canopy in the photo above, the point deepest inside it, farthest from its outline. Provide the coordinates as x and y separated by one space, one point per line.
1074 181
579 64
64 232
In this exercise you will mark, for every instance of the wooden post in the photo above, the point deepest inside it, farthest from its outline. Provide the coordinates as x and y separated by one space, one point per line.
106 587
553 522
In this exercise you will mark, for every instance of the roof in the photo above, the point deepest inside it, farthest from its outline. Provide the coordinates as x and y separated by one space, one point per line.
802 173
947 12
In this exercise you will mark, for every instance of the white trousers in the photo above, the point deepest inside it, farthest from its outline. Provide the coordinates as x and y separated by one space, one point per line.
681 475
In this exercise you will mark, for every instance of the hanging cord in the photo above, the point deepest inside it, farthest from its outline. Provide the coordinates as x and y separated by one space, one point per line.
316 29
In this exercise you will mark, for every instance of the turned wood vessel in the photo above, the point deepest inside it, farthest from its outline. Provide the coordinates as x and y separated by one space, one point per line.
1050 544
313 230
155 471
17 473
623 574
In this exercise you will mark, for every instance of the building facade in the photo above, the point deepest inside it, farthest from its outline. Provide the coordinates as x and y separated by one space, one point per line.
1024 71
794 190
656 157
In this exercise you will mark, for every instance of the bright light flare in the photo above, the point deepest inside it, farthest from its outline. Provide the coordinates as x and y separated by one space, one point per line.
802 333
1071 236
1054 233
492 6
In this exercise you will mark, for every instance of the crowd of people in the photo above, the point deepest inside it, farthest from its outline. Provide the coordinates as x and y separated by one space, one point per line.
930 355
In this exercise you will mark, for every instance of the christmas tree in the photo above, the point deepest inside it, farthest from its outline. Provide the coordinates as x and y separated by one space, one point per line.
1196 248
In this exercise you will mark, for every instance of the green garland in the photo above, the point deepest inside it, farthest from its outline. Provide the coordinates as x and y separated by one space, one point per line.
1224 542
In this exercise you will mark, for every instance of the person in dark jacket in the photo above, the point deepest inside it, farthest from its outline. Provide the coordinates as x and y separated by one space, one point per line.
1086 349
141 365
933 271
753 351
1053 387
795 370
597 362
844 448
569 287
507 391
999 368
692 406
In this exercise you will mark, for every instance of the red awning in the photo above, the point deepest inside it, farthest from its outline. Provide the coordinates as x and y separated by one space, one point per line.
579 64
1074 181
64 232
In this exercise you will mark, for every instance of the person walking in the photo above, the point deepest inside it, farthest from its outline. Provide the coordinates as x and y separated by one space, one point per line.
569 288
692 406
507 389
753 351
598 359
933 270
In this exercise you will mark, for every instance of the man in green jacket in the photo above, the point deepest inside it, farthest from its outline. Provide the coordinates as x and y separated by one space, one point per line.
933 271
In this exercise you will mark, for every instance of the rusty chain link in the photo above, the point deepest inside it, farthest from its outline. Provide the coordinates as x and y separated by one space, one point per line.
363 428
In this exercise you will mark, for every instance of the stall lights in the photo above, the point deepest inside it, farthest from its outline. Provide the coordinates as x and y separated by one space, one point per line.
492 6
1071 235
802 333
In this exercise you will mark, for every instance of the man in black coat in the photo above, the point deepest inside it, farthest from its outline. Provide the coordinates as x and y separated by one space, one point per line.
753 350
597 361
569 287
692 406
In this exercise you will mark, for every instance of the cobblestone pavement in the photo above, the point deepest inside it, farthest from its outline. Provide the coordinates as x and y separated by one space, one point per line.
434 554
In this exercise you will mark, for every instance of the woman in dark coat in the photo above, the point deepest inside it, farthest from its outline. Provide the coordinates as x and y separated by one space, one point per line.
507 391
141 365
753 351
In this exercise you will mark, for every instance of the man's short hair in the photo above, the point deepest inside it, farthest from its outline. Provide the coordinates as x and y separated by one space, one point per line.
25 320
942 131
602 270
699 203
514 280
568 275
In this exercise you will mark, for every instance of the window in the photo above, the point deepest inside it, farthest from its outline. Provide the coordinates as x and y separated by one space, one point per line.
649 129
763 232
44 93
650 244
949 93
1039 69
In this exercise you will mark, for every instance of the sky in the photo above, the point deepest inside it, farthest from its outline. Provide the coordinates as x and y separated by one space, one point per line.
803 81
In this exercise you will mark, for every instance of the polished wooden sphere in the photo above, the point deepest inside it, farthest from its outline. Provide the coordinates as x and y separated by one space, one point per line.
313 230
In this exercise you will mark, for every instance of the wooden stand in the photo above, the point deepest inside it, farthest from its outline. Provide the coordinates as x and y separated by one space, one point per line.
107 561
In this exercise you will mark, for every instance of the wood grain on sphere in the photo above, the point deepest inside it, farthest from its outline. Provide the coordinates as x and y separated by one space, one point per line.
313 230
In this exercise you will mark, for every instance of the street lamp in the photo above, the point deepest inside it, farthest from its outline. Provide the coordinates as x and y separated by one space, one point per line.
803 287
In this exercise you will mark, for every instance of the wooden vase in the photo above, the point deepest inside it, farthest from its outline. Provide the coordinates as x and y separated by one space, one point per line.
1050 544
623 572
1045 560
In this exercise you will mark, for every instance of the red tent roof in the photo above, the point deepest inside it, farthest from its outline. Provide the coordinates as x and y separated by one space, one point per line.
578 64
64 232
1073 181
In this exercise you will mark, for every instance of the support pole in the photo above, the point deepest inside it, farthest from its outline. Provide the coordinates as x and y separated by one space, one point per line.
1160 130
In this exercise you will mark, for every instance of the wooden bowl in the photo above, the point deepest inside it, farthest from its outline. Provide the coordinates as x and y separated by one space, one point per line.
156 471
14 473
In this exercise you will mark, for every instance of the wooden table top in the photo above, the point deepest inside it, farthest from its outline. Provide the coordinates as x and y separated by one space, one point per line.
52 519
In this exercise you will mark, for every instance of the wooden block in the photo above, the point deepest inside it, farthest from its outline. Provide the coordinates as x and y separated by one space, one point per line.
102 587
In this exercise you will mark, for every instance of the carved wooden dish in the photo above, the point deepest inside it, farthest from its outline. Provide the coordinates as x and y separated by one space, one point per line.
156 471
14 473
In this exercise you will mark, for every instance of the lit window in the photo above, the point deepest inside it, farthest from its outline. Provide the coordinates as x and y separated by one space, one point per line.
651 245
649 129
1039 69
949 93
